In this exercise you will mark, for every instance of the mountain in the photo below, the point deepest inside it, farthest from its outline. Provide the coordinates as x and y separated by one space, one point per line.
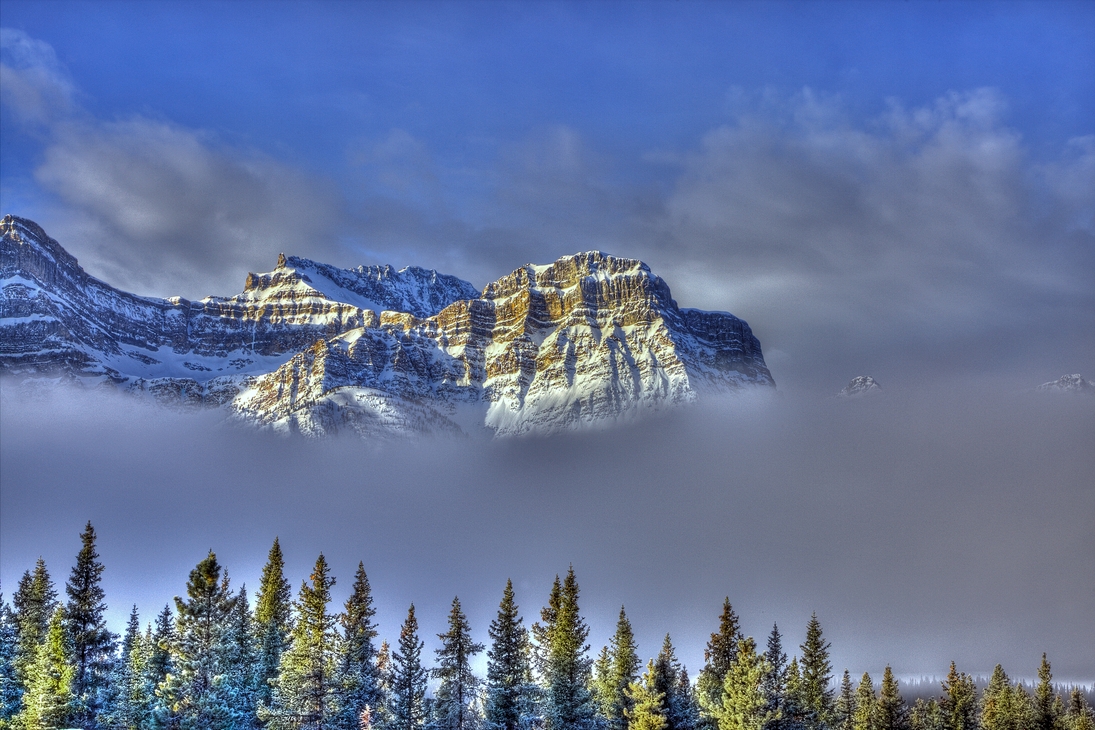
859 386
590 339
1068 384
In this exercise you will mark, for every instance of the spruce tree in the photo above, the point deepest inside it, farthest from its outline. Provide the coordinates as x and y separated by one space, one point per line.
1079 715
509 691
775 681
92 643
238 672
743 705
927 716
161 667
407 699
890 711
453 707
132 693
718 656
358 677
817 672
49 701
794 715
568 703
844 707
671 681
863 714
35 601
1046 710
11 691
617 668
645 709
196 695
958 704
542 629
996 701
272 622
305 691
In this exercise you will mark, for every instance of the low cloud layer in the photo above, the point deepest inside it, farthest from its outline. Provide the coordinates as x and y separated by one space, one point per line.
923 527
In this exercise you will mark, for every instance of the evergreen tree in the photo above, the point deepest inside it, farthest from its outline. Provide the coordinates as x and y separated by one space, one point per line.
958 704
775 681
197 696
359 681
407 699
671 681
817 672
844 707
132 690
718 656
272 622
568 701
794 715
305 690
11 691
509 690
35 601
617 668
92 643
645 708
49 701
453 706
864 712
890 711
996 701
542 630
744 705
1079 715
238 673
1047 712
927 716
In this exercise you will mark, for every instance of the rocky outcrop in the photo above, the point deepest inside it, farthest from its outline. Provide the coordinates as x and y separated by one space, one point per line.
588 340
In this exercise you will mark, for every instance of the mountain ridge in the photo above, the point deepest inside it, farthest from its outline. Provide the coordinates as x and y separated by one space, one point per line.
587 340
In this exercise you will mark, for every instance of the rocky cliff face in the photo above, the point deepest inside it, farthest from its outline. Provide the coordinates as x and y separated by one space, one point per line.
590 339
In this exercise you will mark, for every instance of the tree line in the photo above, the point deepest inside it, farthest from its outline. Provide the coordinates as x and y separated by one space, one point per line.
214 662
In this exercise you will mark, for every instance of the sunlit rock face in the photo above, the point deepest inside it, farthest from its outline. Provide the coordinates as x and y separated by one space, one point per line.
587 341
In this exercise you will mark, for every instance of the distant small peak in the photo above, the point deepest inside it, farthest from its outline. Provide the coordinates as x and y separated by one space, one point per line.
860 385
1074 383
281 261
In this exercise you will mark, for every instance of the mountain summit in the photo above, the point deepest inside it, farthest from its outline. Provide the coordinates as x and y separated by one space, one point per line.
590 339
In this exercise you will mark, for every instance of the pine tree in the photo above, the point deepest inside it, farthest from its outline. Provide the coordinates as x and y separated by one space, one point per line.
1079 715
794 715
996 702
359 681
671 681
863 714
407 700
509 691
161 670
197 696
453 707
817 672
92 643
927 716
645 709
844 707
305 691
35 601
775 681
11 692
890 711
542 629
272 622
744 705
1046 711
718 656
49 701
958 704
132 690
238 672
617 668
568 701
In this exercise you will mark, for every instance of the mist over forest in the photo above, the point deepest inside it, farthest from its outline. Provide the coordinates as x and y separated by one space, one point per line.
921 527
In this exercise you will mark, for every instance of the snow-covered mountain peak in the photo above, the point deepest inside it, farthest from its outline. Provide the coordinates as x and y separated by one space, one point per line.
1074 383
859 386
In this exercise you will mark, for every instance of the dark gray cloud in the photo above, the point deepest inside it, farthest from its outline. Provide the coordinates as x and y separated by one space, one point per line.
922 526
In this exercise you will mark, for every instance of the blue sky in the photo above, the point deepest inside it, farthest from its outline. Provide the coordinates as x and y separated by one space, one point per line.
899 189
